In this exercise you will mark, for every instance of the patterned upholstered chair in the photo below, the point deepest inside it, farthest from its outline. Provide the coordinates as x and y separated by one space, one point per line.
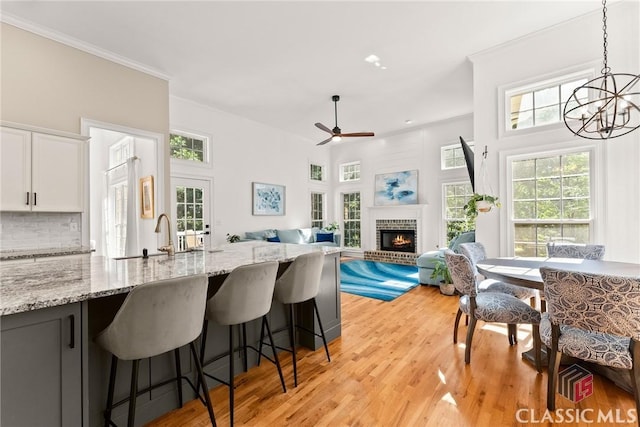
488 306
594 318
570 250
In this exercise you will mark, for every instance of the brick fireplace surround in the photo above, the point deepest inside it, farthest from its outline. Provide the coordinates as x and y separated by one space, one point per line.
393 257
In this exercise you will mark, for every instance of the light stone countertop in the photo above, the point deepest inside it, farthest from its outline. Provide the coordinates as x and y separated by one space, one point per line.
8 255
31 286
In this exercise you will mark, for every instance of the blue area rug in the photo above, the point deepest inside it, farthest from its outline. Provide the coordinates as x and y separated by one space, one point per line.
378 280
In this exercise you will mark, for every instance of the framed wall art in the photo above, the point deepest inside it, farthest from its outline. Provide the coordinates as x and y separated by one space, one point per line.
396 188
146 197
268 199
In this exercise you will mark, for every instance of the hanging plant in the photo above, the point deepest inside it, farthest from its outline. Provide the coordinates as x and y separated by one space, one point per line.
480 203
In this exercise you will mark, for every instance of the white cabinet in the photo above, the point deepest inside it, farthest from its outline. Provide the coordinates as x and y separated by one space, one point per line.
40 172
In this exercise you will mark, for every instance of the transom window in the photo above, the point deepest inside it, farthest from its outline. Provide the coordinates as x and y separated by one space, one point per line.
317 210
540 104
455 196
452 156
316 172
350 171
551 201
351 219
188 147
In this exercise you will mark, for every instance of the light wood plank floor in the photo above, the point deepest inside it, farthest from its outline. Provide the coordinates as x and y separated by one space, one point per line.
396 365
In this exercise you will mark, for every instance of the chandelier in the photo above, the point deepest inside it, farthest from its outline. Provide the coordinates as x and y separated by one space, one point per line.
607 106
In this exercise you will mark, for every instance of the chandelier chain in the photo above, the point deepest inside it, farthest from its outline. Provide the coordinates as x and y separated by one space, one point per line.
605 69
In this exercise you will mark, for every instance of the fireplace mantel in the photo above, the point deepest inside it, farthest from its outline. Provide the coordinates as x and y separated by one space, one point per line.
416 212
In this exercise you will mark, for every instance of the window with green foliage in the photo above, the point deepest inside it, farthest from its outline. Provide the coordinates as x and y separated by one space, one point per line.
351 219
350 171
551 201
317 210
186 147
539 105
316 172
455 196
452 156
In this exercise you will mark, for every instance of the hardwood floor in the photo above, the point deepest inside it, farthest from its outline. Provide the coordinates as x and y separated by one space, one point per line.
396 365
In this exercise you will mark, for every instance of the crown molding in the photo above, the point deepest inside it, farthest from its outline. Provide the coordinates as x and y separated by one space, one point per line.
80 45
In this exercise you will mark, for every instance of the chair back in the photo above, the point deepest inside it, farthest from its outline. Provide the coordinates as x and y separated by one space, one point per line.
462 273
475 252
301 281
570 250
593 302
245 294
157 317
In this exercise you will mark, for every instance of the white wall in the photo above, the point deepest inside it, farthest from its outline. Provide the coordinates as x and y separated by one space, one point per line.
416 149
572 46
243 152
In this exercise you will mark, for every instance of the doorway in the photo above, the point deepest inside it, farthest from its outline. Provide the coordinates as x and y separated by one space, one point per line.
191 205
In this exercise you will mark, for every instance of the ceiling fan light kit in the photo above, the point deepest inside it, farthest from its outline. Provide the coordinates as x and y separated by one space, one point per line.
336 132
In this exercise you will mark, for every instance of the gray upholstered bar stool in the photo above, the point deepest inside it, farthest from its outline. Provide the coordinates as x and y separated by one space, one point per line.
156 318
299 283
245 295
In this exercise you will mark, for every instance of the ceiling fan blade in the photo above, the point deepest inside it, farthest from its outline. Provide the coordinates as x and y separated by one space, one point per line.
324 128
358 134
325 141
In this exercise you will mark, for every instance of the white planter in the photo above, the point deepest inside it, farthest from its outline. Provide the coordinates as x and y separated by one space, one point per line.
447 289
483 206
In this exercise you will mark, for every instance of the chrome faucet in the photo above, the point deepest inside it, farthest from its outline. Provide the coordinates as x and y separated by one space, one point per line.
168 248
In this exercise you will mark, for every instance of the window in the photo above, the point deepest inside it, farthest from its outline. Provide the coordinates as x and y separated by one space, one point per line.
350 171
540 104
316 172
188 147
551 201
452 156
189 209
317 210
455 196
351 218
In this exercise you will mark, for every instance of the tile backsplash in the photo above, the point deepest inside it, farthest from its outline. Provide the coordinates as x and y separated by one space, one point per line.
39 230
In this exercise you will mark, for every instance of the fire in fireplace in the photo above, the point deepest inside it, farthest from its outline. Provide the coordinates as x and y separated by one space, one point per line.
398 240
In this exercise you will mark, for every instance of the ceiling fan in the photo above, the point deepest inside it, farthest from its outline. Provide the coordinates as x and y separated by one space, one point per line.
336 132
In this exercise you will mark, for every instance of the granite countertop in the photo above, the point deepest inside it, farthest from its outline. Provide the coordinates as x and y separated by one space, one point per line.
31 286
40 253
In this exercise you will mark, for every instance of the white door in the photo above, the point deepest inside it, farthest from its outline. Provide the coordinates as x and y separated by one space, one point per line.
190 206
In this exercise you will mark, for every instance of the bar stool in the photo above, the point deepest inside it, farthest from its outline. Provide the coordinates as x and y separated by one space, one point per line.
156 318
300 283
245 295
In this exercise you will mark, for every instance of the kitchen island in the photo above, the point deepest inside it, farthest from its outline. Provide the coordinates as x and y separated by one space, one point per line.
52 309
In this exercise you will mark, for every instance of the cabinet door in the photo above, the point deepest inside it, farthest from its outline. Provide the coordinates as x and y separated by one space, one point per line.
57 173
41 368
15 167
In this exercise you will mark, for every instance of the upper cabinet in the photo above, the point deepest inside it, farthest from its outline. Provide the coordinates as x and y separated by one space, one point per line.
40 172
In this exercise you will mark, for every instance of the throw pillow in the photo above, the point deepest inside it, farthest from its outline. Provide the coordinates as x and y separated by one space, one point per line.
273 239
324 237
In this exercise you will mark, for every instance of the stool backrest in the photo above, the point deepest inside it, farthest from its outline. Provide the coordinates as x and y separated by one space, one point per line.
157 317
246 294
301 281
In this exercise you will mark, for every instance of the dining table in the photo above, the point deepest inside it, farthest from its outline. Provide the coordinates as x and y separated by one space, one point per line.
525 271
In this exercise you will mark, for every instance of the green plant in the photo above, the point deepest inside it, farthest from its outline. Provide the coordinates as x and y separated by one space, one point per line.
333 226
232 238
440 271
480 203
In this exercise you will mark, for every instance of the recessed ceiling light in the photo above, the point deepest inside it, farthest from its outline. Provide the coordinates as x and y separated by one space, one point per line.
372 59
408 122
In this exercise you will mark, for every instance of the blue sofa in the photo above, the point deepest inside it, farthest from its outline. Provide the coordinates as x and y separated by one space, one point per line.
426 262
302 236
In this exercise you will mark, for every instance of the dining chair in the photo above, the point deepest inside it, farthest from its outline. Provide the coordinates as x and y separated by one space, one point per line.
155 318
571 250
592 317
495 307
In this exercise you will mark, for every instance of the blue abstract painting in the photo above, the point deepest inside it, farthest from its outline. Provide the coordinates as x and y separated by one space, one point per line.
397 188
268 199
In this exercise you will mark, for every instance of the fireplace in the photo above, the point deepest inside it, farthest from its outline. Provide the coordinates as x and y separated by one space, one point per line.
398 240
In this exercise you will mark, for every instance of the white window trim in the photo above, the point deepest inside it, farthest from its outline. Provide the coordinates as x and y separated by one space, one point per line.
598 193
208 149
341 166
449 147
506 91
324 205
324 172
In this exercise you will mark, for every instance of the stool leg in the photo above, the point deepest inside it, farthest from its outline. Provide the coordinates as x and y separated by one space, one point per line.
261 342
275 354
133 393
203 342
244 348
178 375
202 380
292 340
112 382
324 339
231 372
